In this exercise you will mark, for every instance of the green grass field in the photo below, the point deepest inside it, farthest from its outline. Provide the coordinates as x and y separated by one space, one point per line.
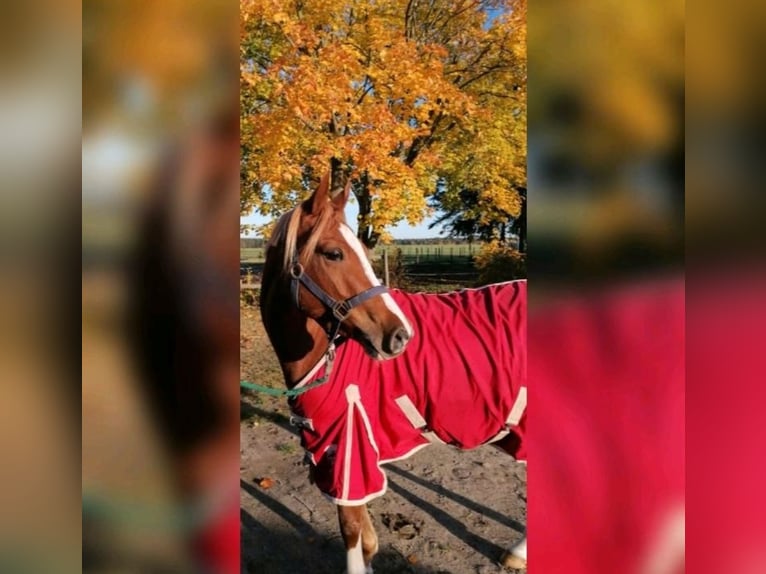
251 255
411 253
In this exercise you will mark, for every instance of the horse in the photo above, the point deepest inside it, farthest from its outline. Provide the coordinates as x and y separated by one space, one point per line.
352 354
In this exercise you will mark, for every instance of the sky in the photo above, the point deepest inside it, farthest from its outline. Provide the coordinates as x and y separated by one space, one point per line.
492 14
401 231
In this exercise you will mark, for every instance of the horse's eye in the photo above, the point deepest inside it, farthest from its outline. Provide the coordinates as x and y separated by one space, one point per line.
333 255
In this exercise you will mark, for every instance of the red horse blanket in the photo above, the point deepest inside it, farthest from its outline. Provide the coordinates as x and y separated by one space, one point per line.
461 381
609 478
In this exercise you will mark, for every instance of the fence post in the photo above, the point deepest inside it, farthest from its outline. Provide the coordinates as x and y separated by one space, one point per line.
385 267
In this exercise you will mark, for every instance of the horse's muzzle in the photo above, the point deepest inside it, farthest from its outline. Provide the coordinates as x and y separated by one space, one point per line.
395 342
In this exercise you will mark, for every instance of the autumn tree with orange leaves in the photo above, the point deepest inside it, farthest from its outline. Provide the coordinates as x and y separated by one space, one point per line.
403 97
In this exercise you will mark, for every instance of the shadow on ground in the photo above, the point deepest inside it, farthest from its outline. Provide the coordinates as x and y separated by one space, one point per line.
460 499
302 548
248 410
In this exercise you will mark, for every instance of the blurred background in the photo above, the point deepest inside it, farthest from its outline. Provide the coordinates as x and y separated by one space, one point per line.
619 145
606 139
605 266
39 409
160 208
726 310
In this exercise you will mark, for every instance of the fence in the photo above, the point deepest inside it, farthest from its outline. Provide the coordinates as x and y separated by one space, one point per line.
433 253
416 252
420 264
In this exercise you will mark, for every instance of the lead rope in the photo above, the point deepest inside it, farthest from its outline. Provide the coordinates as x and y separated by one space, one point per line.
330 356
294 392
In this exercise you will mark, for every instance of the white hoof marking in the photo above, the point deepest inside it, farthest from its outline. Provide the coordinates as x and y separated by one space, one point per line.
355 559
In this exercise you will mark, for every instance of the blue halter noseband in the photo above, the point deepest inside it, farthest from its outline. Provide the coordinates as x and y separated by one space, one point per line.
338 310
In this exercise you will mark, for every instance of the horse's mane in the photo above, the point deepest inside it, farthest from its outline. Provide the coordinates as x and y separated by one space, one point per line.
286 233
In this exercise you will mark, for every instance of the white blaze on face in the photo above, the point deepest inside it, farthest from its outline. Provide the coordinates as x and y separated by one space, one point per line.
357 247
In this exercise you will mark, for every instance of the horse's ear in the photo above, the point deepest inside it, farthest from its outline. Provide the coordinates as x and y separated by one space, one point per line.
321 196
341 198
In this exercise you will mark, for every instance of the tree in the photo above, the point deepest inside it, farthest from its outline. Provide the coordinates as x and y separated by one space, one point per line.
519 224
465 217
398 95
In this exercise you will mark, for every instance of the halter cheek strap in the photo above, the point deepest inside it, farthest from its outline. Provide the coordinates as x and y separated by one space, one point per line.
338 309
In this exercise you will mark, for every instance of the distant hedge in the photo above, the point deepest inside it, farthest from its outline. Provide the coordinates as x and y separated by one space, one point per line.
497 263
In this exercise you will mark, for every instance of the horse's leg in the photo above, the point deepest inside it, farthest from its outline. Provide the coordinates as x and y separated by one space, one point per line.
355 527
369 539
516 557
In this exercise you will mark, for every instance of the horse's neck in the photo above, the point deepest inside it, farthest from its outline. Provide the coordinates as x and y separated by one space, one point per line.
295 370
298 341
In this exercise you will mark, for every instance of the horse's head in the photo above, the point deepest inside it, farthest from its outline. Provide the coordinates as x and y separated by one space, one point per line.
330 278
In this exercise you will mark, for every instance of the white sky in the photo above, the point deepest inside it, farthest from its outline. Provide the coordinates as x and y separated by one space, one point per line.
401 231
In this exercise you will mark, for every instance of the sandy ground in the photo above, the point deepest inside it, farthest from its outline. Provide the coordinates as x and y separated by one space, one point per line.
446 511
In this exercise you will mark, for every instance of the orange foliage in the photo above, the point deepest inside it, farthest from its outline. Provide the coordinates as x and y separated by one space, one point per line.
400 93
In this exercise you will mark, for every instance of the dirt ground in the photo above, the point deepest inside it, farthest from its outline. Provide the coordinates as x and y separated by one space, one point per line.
446 511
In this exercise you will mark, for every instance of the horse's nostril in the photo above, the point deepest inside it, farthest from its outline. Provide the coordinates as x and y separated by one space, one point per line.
397 341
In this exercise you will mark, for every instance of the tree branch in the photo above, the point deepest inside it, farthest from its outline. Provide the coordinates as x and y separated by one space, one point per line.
336 176
366 90
451 15
421 142
495 68
407 27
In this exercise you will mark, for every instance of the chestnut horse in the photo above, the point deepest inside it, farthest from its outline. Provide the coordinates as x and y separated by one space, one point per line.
319 291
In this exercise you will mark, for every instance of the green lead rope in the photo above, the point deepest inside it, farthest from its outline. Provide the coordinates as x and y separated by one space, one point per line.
283 392
330 354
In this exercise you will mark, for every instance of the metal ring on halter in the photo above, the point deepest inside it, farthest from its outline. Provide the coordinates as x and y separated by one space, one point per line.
296 271
340 310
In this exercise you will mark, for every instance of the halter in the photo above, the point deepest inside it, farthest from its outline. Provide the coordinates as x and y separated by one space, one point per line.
338 310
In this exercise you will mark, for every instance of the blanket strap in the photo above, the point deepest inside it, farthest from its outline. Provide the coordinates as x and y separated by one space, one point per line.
301 422
519 406
416 419
514 417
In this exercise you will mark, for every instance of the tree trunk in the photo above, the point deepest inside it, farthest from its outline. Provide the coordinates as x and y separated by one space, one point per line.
366 234
337 179
522 222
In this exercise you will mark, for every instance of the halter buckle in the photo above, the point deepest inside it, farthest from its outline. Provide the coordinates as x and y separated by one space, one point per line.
340 310
296 271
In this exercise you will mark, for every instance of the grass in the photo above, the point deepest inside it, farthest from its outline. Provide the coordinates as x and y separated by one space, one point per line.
415 253
251 255
287 447
258 363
